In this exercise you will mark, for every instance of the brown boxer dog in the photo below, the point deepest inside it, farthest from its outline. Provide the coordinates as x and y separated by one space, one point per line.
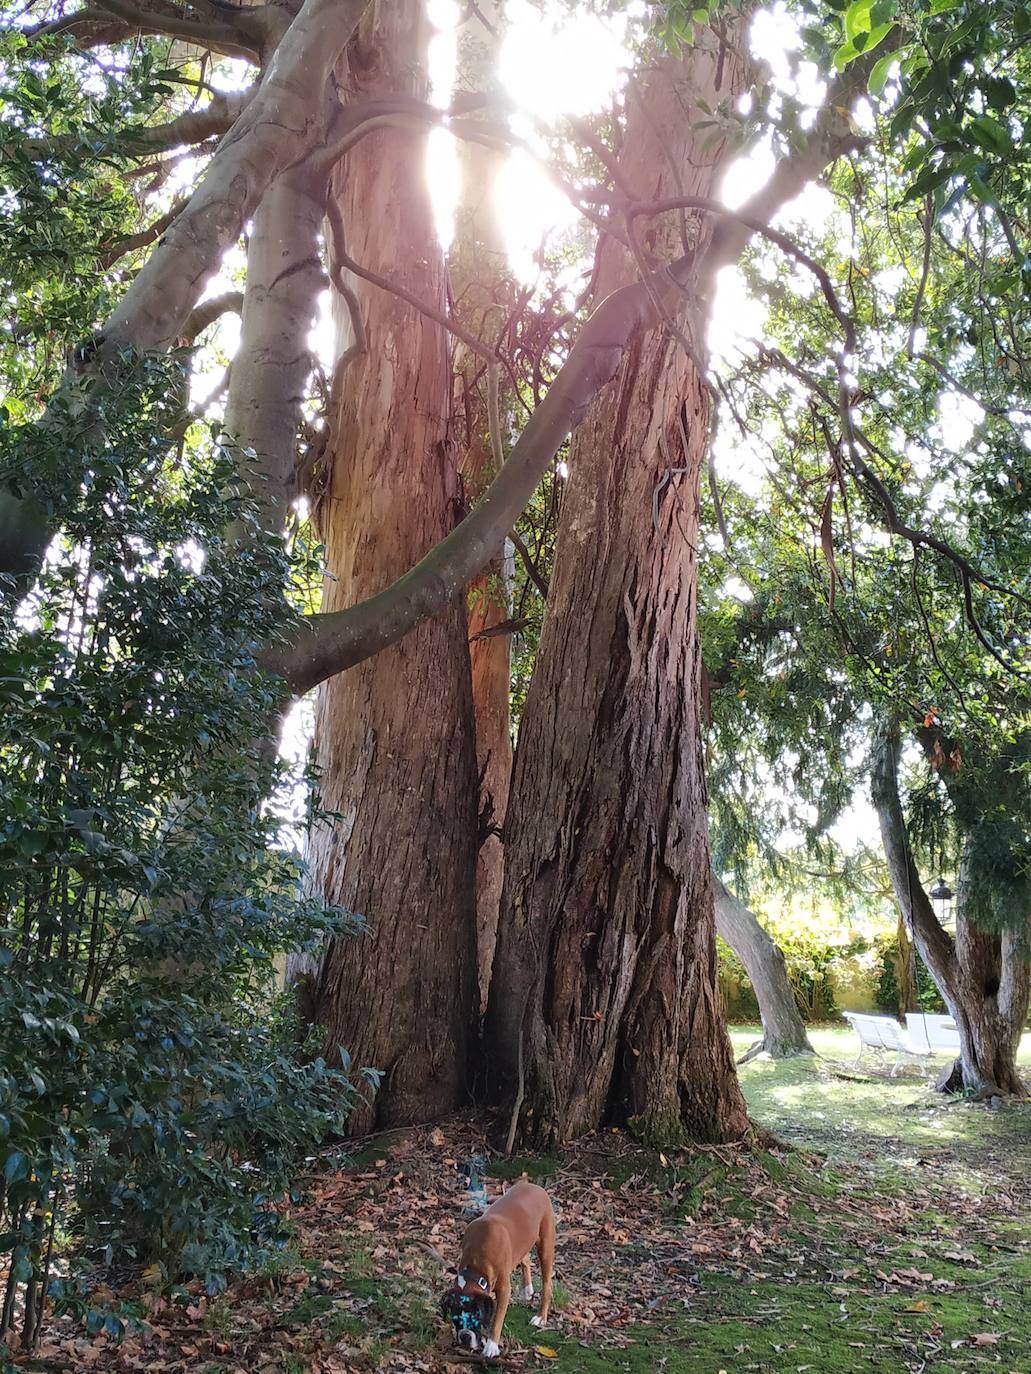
494 1245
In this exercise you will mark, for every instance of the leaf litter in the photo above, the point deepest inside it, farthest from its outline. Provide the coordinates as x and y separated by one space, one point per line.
645 1241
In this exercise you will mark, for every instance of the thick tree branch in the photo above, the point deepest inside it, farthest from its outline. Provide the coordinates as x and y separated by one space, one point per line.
833 136
90 27
230 302
110 253
231 39
332 642
273 363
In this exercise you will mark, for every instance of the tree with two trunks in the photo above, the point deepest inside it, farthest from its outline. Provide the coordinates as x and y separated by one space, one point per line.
606 1005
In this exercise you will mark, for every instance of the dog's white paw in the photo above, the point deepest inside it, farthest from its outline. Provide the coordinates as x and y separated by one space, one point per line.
491 1349
526 1294
538 1321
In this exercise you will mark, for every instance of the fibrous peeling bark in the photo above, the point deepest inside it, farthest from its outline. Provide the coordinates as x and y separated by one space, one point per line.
394 738
608 1006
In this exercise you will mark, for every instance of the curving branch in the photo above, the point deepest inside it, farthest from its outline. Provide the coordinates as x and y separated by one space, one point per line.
997 411
395 288
239 38
230 302
331 642
110 253
90 27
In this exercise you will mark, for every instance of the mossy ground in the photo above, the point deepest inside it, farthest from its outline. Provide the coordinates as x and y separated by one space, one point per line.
891 1236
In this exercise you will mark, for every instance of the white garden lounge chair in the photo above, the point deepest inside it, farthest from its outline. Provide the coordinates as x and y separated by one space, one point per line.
935 1034
883 1033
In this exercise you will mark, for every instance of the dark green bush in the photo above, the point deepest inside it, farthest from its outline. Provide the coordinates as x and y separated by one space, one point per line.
154 1107
811 959
927 995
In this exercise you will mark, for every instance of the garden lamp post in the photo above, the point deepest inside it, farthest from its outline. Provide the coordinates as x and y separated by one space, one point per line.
941 896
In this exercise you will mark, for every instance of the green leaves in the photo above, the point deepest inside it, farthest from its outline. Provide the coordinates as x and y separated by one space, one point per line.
881 71
16 1166
990 134
866 24
150 1080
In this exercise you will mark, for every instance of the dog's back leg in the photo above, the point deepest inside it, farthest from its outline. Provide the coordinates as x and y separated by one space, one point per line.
546 1255
526 1293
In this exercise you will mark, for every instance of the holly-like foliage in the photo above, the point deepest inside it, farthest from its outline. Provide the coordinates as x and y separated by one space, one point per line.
155 1104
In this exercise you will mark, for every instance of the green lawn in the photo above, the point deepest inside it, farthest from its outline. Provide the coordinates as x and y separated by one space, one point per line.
855 1114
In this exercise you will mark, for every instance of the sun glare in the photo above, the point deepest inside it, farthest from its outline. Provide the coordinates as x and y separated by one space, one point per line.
556 62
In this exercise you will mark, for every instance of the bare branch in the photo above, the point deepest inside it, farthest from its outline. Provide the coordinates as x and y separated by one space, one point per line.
395 288
503 627
1000 412
338 265
205 314
110 253
233 40
532 571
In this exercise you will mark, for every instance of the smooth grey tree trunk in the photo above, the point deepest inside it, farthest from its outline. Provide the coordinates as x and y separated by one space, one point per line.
784 1033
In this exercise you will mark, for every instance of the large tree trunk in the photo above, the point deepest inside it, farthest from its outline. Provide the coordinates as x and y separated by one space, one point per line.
605 1004
394 736
982 975
784 1032
993 986
272 366
483 288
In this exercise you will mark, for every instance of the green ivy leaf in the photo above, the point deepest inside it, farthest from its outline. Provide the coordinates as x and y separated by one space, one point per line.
881 71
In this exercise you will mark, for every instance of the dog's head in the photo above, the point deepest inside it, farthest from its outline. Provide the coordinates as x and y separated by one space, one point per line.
467 1305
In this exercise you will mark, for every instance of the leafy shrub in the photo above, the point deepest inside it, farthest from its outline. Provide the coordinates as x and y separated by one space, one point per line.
812 961
736 991
154 1106
927 995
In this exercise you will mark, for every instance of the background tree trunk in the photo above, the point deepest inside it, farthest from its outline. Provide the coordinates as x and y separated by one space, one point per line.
784 1033
272 366
394 736
983 976
489 605
905 971
605 1003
